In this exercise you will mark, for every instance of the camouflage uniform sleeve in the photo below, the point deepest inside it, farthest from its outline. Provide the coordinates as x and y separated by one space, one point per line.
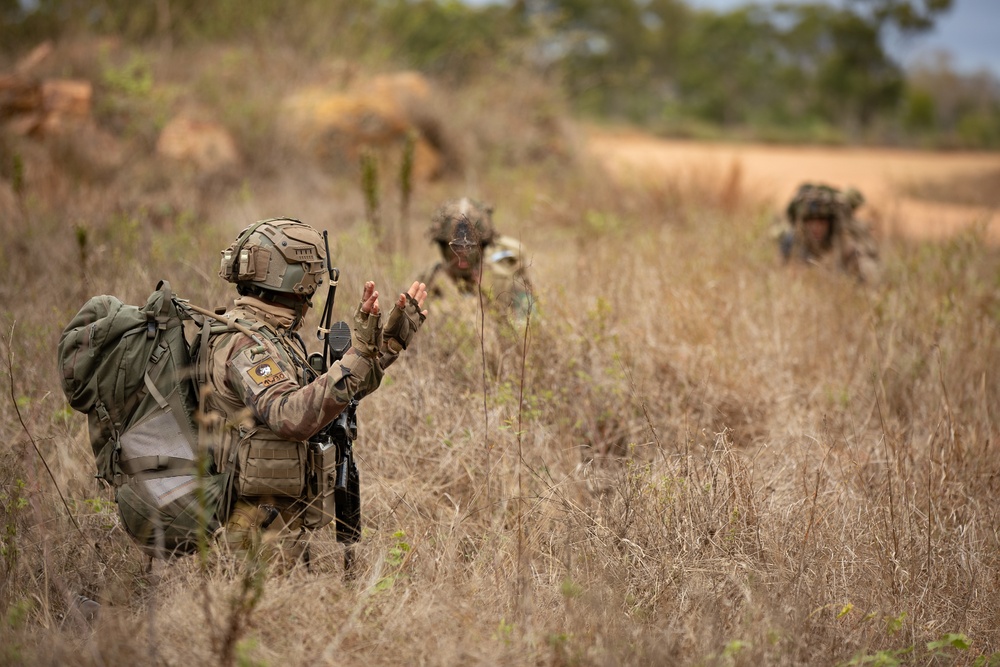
860 252
509 283
266 380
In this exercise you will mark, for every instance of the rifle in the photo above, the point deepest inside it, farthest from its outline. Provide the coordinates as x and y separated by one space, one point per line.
342 431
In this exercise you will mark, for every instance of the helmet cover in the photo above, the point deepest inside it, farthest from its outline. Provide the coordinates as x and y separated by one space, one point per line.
281 255
478 215
821 201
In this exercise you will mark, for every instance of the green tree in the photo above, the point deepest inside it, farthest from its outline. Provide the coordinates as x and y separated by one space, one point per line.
618 57
729 60
857 78
919 112
908 16
629 58
448 38
958 109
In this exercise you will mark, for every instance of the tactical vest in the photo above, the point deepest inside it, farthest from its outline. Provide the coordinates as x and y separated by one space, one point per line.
264 465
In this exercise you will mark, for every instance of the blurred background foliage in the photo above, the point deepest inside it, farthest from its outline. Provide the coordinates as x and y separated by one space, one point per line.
802 71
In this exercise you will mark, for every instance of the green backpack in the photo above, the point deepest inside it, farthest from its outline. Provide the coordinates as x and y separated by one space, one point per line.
131 371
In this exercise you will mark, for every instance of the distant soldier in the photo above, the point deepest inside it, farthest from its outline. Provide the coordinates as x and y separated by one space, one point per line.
823 229
474 257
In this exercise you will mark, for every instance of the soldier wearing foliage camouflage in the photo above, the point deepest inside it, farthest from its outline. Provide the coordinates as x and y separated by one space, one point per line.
474 256
823 229
261 399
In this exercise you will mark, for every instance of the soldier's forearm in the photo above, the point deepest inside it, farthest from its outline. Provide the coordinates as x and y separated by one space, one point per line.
358 376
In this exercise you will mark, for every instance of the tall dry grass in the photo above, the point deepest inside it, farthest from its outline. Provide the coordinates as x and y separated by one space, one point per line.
687 455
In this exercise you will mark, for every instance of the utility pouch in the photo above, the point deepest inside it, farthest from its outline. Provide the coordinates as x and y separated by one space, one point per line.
267 465
321 477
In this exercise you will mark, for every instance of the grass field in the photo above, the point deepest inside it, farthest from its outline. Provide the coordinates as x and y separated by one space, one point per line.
910 193
689 455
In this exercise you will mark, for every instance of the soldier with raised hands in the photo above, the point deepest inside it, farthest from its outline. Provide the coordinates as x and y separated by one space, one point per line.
262 400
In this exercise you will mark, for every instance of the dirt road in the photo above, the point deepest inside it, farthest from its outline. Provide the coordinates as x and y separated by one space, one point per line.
774 172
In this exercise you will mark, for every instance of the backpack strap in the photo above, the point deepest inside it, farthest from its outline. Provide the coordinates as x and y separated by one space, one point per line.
202 356
104 415
211 324
147 467
107 461
153 391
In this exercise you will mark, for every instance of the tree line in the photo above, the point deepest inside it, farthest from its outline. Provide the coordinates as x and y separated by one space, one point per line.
792 71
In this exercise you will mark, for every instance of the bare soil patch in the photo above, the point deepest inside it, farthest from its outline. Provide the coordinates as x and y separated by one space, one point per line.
910 193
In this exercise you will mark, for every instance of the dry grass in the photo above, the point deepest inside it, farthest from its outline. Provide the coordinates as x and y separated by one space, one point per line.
915 195
977 188
691 456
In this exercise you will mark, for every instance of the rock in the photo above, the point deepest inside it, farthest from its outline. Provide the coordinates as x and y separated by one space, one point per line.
40 108
336 126
67 97
19 94
207 145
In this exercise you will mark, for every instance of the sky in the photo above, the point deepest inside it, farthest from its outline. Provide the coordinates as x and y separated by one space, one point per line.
970 32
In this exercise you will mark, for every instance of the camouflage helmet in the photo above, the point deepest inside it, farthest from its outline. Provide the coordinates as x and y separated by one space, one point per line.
280 255
853 198
820 201
478 214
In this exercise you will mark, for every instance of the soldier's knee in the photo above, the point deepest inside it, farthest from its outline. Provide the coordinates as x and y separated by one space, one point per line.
263 532
242 533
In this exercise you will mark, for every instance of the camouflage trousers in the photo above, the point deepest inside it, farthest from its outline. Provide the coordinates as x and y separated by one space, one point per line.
266 531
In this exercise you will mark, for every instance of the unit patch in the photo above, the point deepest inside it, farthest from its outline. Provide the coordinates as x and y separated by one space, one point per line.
259 373
265 372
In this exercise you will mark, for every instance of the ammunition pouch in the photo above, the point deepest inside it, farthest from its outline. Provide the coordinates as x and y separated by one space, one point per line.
321 478
268 465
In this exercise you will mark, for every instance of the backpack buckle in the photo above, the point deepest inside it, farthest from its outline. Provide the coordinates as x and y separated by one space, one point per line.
155 355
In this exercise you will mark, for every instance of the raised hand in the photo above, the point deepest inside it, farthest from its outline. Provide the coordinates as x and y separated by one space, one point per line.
368 323
369 299
406 317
